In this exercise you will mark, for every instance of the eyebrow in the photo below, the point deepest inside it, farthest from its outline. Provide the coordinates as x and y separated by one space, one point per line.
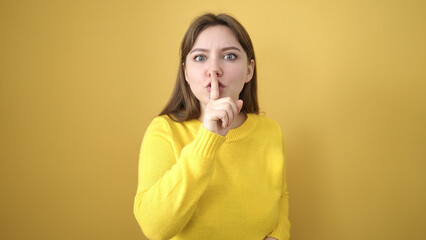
223 49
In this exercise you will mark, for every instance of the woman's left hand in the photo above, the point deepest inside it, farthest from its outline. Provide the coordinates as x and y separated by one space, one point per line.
270 238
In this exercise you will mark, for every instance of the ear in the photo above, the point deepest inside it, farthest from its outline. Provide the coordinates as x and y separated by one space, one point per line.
250 71
184 71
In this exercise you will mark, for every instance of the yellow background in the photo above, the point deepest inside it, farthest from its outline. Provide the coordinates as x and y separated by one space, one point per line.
81 80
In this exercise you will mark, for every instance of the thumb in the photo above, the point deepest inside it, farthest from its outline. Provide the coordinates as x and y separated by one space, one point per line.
239 104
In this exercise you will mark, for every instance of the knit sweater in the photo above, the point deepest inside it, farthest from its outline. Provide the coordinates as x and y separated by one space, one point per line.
195 184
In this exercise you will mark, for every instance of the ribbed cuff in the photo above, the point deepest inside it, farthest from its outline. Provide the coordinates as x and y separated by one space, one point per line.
280 233
207 144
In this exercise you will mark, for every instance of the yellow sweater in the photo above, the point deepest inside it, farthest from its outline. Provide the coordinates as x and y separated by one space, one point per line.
194 184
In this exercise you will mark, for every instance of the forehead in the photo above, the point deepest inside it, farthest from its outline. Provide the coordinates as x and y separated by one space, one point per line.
216 36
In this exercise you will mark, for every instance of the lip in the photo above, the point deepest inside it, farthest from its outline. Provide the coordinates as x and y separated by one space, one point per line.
221 86
209 89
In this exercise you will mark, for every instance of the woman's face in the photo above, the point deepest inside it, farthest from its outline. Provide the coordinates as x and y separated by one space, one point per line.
217 51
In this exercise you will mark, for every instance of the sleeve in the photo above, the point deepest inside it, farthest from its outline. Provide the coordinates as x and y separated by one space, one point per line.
282 230
169 188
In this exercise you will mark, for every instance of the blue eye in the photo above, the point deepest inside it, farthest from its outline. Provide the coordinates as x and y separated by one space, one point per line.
199 58
230 56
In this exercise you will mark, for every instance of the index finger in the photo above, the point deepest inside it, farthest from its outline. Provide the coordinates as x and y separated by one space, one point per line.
214 87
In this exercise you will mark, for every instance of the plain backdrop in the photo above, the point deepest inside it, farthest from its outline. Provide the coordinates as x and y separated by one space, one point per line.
81 80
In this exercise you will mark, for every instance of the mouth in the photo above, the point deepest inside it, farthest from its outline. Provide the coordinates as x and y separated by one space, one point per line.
220 85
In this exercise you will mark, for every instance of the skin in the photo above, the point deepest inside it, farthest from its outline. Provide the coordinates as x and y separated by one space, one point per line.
216 70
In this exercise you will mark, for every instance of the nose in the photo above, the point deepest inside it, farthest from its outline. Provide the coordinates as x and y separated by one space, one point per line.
214 68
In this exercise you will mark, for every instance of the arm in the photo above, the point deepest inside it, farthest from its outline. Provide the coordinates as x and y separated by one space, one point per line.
169 188
282 230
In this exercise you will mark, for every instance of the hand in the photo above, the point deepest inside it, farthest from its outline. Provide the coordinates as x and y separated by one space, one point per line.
220 112
270 238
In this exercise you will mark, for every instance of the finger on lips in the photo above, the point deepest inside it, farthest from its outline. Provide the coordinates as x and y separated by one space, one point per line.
214 86
229 108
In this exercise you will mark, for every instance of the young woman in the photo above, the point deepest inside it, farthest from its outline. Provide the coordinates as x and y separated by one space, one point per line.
210 166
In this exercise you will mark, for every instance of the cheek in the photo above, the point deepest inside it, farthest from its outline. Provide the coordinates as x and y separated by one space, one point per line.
193 74
237 74
194 78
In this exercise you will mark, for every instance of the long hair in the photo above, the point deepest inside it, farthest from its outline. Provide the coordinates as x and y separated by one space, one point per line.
183 105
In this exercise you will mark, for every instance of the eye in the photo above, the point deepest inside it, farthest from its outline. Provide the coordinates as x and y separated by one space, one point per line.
230 56
199 58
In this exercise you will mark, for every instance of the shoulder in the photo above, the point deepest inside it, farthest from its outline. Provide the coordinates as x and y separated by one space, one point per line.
271 129
266 122
267 127
166 125
161 121
159 126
